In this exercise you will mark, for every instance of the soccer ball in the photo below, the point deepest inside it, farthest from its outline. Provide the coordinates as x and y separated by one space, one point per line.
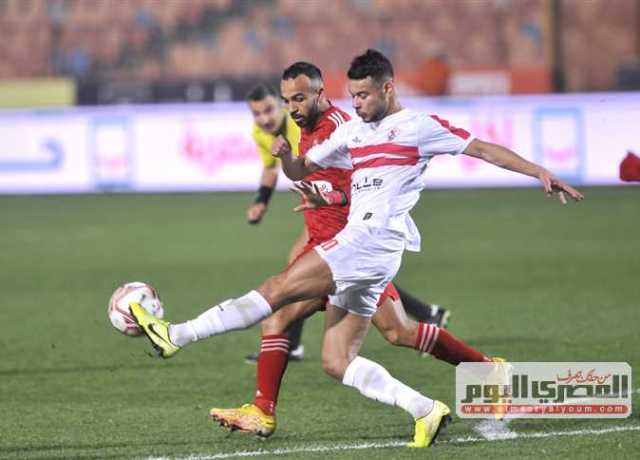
118 309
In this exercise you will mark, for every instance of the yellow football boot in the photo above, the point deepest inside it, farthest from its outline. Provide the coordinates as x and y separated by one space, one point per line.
156 330
249 419
429 426
502 372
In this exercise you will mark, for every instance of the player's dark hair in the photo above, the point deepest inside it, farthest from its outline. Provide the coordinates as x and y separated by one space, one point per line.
302 68
260 92
372 64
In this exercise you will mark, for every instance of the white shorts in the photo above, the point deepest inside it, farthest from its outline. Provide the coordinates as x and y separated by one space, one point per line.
363 260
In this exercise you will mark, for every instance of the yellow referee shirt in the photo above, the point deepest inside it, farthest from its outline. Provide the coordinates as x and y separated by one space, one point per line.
264 140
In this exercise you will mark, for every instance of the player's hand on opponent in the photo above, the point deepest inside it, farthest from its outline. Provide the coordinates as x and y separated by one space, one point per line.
313 198
310 194
280 147
554 185
256 212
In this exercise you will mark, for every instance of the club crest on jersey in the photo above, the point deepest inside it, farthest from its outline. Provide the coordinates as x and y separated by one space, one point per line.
356 140
392 134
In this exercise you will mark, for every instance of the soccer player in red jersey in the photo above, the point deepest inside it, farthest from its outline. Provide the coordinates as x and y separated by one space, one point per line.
325 196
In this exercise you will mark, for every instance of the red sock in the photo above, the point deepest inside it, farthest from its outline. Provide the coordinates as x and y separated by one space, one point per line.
444 346
272 362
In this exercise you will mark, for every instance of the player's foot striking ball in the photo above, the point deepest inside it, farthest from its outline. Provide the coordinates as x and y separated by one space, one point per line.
156 330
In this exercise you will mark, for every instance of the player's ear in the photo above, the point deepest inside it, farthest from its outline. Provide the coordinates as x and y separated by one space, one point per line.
388 87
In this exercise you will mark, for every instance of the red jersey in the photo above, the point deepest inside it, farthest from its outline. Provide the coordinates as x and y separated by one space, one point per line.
324 223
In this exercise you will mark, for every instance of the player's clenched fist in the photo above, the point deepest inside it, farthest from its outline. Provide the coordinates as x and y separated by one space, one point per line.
280 147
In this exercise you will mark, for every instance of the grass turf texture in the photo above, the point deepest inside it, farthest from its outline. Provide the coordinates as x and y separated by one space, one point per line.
526 278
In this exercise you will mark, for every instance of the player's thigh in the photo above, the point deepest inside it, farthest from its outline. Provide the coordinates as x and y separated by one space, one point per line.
343 338
393 323
298 245
279 322
308 278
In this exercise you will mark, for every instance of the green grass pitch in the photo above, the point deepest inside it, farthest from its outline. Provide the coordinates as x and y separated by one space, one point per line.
525 277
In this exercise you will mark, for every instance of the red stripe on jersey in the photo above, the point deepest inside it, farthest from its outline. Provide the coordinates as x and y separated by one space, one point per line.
404 150
385 161
452 129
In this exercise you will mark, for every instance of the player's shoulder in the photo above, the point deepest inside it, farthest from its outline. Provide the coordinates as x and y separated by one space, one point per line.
412 115
334 117
429 118
424 120
430 124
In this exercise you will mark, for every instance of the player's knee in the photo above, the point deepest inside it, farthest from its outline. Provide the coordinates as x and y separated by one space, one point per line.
273 325
334 366
274 290
333 369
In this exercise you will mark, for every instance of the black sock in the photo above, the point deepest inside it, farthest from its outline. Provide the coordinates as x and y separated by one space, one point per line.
419 310
295 334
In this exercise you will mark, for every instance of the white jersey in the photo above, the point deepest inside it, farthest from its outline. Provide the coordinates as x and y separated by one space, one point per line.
388 159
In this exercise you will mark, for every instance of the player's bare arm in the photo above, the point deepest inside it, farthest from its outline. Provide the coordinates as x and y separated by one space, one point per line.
507 159
295 168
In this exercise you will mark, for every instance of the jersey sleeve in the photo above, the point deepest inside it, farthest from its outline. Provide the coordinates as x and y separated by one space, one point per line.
437 136
264 151
333 152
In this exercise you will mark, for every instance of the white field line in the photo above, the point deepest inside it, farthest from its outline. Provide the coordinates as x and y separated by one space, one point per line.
379 445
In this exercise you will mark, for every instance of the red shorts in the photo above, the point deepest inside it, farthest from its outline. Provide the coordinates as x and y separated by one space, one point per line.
391 292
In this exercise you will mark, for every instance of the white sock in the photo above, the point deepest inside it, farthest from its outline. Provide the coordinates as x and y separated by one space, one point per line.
375 382
230 315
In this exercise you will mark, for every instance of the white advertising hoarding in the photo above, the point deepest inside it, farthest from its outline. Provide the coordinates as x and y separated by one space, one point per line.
582 138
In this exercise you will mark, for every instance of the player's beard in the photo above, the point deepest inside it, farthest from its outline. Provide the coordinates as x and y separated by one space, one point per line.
310 120
379 113
314 114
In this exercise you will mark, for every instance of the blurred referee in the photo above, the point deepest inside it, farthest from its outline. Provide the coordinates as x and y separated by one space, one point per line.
271 120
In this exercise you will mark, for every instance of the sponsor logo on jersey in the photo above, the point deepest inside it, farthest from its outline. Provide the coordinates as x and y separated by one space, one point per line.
367 184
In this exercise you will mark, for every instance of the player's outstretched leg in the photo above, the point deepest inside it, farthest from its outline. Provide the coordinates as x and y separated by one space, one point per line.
308 278
392 322
344 334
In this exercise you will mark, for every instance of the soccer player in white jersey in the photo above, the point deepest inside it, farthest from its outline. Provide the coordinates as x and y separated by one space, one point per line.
388 150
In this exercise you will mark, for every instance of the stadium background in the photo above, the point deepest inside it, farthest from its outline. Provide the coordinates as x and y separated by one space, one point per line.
128 96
